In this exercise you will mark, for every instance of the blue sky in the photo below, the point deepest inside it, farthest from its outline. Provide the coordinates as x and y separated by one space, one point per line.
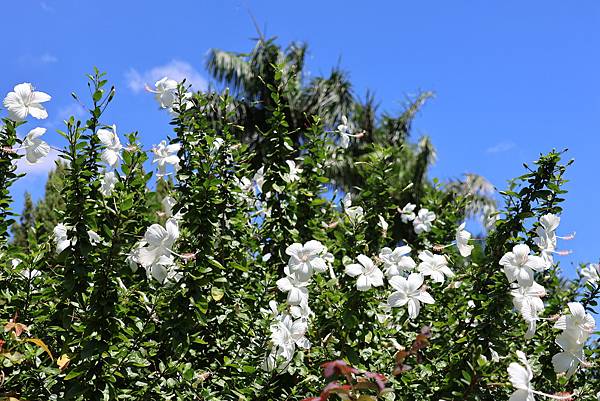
512 78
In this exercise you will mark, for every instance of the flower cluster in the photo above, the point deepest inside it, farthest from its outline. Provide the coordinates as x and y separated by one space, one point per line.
422 221
399 268
577 327
520 267
25 101
289 328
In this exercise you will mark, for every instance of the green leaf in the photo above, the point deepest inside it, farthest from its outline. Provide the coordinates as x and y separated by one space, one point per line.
216 293
73 374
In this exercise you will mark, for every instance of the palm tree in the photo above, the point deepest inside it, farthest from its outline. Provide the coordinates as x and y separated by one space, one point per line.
247 76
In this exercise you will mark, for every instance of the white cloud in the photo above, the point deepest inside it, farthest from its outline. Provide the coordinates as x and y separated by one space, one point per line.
501 147
48 58
175 69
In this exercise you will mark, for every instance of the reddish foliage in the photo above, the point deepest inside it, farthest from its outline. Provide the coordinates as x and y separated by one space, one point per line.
421 342
338 367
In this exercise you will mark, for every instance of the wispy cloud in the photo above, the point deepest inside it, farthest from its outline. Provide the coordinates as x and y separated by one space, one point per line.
73 109
46 7
175 69
501 147
48 58
43 59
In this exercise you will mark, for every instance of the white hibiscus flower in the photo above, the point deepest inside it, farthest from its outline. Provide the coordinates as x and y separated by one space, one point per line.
367 273
519 265
25 101
423 221
398 261
34 147
435 266
409 291
112 146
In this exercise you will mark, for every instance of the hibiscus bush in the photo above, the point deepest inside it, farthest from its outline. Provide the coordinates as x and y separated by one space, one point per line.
269 282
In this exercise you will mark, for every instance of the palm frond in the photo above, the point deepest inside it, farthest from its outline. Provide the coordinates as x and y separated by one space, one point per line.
230 69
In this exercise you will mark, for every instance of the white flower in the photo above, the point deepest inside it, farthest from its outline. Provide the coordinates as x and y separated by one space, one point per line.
259 178
60 236
572 354
383 224
133 258
579 324
345 133
545 240
385 313
301 311
519 265
289 333
165 92
435 266
34 147
577 328
368 274
329 259
494 355
397 261
165 155
25 101
286 334
164 270
407 213
244 184
527 300
216 145
94 238
168 203
292 175
354 213
273 311
111 153
30 274
462 241
409 291
159 241
591 273
304 259
108 183
550 222
423 221
296 289
520 376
